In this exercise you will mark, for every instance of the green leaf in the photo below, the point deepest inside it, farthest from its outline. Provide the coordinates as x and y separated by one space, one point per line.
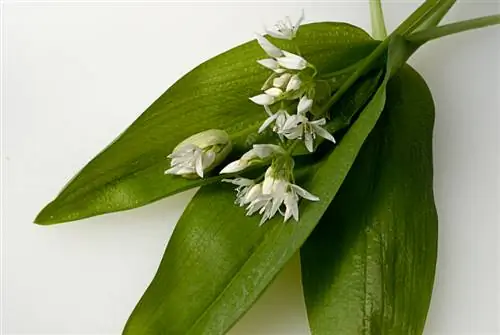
219 261
379 32
129 172
368 267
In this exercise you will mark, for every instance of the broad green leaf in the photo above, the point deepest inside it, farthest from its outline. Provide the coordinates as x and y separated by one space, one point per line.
129 172
368 267
219 261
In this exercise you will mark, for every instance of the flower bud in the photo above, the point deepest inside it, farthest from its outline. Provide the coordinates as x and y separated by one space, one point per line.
199 153
294 83
282 81
257 154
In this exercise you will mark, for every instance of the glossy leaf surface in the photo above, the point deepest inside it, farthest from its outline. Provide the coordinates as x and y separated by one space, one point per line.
368 267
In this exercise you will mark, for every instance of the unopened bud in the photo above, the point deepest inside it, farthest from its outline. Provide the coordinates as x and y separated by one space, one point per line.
257 154
199 153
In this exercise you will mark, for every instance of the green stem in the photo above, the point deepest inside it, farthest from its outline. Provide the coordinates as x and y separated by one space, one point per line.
437 16
292 146
453 28
379 31
413 21
419 16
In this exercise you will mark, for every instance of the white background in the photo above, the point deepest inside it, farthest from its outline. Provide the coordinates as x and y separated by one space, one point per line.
76 74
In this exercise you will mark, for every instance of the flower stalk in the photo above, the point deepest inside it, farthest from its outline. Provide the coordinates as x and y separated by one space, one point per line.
430 34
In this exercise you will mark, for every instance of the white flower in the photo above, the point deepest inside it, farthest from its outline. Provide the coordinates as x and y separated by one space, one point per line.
298 126
294 83
199 153
282 81
275 193
258 153
263 99
284 58
291 200
189 159
286 29
291 61
268 47
274 92
246 189
280 62
279 118
304 105
271 64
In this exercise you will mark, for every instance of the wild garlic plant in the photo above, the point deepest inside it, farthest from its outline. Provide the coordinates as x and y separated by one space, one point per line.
287 98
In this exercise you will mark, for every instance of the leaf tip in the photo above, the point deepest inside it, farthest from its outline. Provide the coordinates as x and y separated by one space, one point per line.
44 218
49 216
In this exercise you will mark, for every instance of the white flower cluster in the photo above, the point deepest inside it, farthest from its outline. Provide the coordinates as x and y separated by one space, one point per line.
268 197
285 85
289 91
287 98
190 159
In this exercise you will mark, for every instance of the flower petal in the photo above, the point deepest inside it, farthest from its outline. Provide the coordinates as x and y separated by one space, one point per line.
320 122
294 83
323 133
274 92
258 204
292 208
309 141
275 33
269 63
292 61
235 166
179 170
268 110
199 165
253 193
282 80
268 47
262 99
182 150
299 21
208 159
304 105
291 122
281 119
239 181
265 150
267 185
267 122
277 201
303 193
